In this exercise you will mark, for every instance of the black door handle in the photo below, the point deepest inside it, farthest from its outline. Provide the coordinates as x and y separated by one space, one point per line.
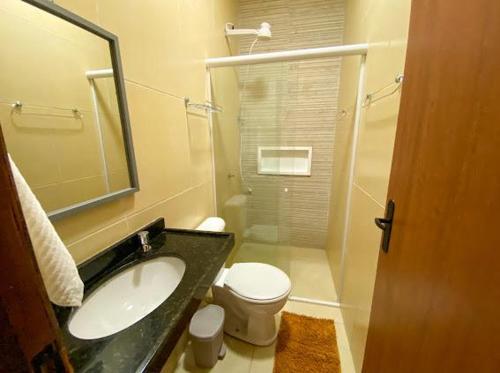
382 223
386 225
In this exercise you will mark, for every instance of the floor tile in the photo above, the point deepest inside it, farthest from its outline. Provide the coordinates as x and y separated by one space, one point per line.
263 359
242 357
238 359
314 310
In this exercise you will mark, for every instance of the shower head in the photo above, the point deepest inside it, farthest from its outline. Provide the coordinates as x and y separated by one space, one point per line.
262 33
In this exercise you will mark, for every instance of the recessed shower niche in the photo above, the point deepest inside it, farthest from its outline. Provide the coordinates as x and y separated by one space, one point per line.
284 160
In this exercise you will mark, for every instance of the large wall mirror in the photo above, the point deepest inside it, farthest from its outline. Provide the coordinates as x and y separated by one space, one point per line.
63 110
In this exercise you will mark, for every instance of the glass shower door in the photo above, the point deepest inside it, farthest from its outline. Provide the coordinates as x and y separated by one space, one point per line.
273 153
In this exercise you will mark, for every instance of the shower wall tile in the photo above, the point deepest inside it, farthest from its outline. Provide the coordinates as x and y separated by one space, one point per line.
291 104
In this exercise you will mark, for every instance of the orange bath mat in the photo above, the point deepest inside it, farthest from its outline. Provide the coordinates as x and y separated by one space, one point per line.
306 345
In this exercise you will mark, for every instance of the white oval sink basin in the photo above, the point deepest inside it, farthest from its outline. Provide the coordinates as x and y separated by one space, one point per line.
127 297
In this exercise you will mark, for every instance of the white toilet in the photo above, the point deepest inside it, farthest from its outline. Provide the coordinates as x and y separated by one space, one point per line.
251 295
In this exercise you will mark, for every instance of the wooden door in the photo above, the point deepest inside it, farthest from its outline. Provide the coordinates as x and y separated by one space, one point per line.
436 305
29 333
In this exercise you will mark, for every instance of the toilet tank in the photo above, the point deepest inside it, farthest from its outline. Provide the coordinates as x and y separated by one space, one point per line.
212 224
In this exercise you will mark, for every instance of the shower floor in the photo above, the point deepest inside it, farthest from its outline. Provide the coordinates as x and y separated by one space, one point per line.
307 268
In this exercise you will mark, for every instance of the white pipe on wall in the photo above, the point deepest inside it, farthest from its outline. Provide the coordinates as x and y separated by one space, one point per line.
352 166
100 73
100 137
299 54
211 113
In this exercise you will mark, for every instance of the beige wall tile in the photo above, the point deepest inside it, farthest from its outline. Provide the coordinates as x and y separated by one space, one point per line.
339 187
375 148
223 11
168 51
75 191
87 222
69 52
37 165
185 210
161 144
94 243
78 152
199 149
86 9
196 27
48 196
150 40
119 179
360 269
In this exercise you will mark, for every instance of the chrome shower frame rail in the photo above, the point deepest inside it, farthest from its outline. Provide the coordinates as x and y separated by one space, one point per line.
304 54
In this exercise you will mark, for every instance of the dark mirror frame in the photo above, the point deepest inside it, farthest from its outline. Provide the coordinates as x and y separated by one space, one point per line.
112 39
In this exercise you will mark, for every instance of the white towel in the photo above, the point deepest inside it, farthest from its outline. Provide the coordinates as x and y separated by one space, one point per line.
59 273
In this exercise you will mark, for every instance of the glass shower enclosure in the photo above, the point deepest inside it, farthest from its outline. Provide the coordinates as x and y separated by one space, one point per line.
273 165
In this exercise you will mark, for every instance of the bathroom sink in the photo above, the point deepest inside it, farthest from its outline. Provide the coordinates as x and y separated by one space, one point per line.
127 297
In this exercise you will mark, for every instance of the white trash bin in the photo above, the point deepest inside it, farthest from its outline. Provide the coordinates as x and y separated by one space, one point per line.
207 330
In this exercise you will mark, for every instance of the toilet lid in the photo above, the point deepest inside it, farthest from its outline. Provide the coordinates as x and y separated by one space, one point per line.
257 281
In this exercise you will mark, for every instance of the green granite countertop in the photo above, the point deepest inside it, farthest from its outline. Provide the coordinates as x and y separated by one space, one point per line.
146 345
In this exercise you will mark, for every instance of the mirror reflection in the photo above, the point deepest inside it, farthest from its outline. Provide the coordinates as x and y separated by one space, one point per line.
59 108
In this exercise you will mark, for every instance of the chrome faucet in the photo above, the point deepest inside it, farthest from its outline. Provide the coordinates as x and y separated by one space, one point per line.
144 238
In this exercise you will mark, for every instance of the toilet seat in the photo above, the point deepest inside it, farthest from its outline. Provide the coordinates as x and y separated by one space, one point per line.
257 282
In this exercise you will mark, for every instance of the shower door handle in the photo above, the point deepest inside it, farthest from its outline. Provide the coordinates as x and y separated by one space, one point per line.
386 225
